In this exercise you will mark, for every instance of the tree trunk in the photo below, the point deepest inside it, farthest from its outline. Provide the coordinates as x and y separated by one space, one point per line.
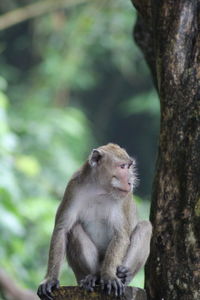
168 33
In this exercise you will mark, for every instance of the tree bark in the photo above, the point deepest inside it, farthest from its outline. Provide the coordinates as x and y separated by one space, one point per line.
168 33
76 293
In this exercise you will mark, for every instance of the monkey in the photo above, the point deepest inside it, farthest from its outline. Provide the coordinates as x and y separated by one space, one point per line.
96 225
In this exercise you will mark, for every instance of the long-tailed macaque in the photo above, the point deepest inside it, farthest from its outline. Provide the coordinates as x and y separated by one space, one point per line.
96 225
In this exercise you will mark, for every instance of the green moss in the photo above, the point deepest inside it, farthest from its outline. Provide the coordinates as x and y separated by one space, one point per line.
197 208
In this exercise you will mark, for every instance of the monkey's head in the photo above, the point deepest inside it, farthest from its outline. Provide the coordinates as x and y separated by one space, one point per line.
113 169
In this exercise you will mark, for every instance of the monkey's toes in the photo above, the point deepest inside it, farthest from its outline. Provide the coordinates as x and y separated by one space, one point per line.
124 274
113 285
89 282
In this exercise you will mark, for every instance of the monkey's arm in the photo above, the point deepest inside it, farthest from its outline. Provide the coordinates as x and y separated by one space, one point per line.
65 219
115 253
120 242
113 258
56 254
138 250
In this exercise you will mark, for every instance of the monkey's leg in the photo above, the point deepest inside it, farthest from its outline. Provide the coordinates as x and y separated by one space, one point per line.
137 253
83 257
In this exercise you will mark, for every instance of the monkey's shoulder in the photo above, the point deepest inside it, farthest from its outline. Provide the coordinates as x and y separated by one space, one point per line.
76 177
82 172
74 182
79 176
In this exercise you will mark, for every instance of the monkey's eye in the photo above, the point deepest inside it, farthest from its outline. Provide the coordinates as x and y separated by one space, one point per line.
122 166
130 164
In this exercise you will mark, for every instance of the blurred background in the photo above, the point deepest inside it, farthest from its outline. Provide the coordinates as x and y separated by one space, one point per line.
71 79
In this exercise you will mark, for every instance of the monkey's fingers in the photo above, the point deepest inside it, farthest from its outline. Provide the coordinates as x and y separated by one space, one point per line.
57 284
122 269
45 292
128 278
49 288
121 288
115 288
39 291
89 282
82 283
121 275
125 278
93 281
124 274
109 286
45 289
102 283
89 288
114 285
118 287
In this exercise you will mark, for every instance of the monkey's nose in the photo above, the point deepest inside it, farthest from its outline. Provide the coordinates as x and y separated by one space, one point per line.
128 186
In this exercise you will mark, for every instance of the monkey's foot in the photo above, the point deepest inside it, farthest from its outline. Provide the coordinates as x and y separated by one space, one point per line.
113 285
45 289
124 274
89 282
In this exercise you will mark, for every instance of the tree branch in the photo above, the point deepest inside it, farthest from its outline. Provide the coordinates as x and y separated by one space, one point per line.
75 292
12 291
34 10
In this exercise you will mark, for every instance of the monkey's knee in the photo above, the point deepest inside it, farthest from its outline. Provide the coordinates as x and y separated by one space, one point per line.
141 236
145 228
139 247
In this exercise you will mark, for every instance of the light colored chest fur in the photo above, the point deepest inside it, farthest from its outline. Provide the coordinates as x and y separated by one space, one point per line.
99 215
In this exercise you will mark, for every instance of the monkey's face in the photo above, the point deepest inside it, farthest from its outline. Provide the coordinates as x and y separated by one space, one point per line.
113 169
122 177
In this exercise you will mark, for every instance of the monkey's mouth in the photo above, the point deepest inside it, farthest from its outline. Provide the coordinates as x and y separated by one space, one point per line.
123 190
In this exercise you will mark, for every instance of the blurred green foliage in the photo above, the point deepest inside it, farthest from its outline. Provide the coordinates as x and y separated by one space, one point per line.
37 157
63 79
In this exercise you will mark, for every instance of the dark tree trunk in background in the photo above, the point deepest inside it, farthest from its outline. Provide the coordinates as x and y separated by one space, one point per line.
168 32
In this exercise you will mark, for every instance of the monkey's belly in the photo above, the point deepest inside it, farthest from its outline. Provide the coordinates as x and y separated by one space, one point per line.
100 233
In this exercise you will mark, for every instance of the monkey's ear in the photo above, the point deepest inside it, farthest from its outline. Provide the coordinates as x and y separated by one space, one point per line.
95 157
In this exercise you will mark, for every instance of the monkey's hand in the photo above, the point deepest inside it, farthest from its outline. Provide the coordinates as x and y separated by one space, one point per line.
89 282
112 284
46 287
124 274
